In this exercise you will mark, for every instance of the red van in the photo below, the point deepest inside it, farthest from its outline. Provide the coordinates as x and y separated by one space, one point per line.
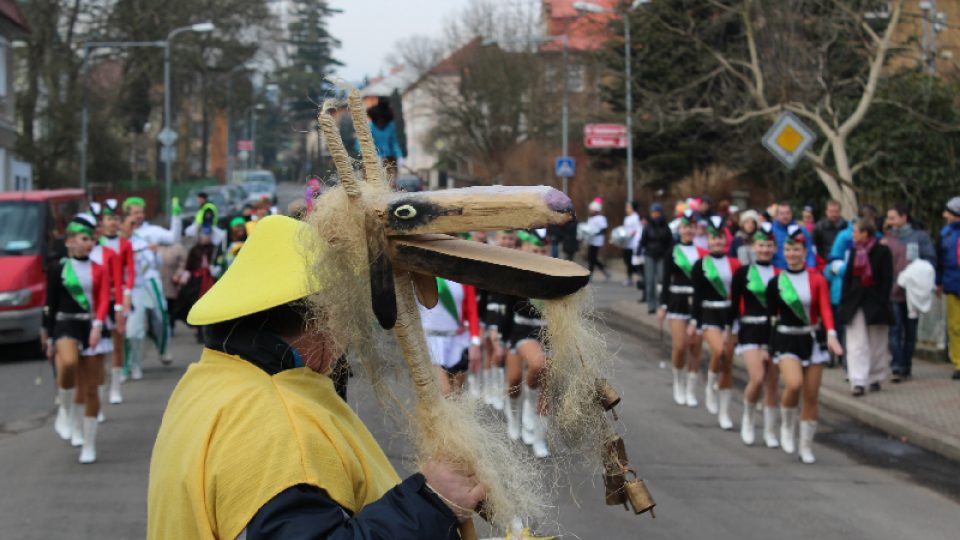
32 229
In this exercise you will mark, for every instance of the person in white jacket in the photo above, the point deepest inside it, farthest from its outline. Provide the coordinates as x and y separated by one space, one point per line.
918 279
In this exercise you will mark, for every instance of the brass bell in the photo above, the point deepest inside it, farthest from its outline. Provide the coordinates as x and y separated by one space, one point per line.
616 457
614 484
639 496
609 398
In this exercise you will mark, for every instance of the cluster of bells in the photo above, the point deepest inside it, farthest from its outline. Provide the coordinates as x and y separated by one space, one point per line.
623 484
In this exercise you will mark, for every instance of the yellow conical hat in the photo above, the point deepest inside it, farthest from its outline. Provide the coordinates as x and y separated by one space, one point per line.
270 270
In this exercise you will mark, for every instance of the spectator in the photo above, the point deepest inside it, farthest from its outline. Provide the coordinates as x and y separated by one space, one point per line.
906 245
828 228
597 224
948 278
568 235
808 219
202 199
866 309
783 220
173 260
837 266
656 242
740 247
631 223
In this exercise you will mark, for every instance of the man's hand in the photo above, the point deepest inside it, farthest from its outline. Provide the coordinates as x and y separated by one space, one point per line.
661 314
461 492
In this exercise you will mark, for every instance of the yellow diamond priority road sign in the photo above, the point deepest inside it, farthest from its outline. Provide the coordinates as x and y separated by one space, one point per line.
789 139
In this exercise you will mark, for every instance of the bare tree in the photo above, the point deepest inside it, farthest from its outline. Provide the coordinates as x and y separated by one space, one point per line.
819 59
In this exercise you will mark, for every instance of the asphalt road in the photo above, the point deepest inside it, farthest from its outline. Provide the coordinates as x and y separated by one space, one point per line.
705 482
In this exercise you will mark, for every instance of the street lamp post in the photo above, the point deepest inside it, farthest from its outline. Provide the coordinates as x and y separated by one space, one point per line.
84 111
168 142
628 83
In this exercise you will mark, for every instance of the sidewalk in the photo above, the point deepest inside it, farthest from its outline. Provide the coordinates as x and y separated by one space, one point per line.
924 411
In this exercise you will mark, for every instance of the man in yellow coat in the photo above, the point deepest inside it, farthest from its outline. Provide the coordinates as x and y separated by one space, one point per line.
256 444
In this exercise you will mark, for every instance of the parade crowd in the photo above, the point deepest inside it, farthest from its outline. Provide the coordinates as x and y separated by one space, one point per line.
122 281
789 297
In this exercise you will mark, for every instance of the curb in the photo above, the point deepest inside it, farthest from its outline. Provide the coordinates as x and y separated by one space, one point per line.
894 425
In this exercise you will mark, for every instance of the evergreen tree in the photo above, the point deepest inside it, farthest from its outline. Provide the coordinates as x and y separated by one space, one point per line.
310 51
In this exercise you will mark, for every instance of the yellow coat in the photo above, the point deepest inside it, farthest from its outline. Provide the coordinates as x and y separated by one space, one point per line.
233 437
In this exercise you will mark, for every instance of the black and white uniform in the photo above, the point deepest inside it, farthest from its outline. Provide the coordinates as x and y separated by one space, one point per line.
64 317
792 336
496 313
748 310
527 322
711 307
676 296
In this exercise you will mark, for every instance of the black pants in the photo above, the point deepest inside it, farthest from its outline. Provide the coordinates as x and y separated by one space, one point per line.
594 262
628 263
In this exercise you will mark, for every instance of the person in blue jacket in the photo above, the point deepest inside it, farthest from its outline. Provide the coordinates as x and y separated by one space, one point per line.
784 219
385 139
948 278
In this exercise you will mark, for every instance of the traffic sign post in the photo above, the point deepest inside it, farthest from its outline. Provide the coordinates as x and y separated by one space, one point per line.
788 139
167 136
565 166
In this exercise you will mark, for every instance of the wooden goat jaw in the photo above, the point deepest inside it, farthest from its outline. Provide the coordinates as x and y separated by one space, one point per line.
484 208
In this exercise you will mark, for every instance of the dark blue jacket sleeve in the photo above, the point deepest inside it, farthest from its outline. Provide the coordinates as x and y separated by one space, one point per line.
303 512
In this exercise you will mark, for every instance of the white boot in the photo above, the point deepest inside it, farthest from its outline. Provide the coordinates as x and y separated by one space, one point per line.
472 386
64 422
679 392
115 377
539 445
807 429
485 381
748 432
102 392
724 415
528 415
499 383
788 428
512 411
76 420
692 377
136 352
89 452
710 393
770 427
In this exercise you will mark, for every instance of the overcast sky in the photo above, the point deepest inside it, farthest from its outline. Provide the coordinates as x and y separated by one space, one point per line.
367 29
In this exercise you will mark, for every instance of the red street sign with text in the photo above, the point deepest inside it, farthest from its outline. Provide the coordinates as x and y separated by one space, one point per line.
605 136
244 145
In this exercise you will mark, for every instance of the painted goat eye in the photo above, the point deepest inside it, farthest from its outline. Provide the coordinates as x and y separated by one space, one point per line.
406 211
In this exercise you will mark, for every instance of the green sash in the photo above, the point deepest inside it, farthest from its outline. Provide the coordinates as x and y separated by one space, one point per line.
756 285
446 299
680 259
713 276
791 298
72 283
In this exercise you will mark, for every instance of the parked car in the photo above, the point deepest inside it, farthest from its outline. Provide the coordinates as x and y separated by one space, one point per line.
257 191
260 176
32 232
229 201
